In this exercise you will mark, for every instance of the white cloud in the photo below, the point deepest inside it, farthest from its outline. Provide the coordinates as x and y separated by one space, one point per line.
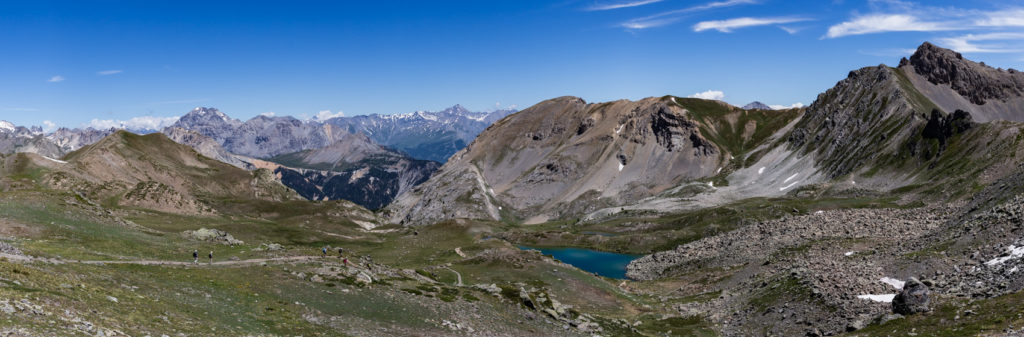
56 79
967 43
622 5
326 114
135 123
664 18
49 126
1006 18
108 72
898 16
881 23
268 114
784 107
727 26
710 94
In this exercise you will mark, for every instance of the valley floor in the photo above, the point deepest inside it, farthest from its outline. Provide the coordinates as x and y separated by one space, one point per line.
71 267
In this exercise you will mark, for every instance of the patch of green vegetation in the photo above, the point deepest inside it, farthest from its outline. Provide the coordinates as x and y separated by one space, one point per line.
700 298
678 326
469 297
735 130
950 318
412 291
448 294
787 288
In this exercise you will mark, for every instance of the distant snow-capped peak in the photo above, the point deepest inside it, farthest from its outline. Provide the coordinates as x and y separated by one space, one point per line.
6 126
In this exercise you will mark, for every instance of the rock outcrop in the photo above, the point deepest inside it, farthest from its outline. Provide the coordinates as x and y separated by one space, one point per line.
912 299
975 81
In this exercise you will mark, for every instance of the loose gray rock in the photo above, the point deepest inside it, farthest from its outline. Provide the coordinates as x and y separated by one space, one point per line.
212 235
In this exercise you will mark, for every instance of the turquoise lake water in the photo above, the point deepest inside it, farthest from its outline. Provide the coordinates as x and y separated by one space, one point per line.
606 264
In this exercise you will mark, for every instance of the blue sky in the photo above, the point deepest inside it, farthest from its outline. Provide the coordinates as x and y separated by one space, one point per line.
68 63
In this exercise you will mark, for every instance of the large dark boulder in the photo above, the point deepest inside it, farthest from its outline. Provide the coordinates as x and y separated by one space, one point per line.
912 299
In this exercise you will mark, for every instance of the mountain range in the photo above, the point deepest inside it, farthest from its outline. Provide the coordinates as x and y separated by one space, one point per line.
254 143
892 205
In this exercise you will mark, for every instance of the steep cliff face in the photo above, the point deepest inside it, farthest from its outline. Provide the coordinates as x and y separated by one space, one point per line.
953 83
261 136
865 115
354 168
19 139
209 147
563 157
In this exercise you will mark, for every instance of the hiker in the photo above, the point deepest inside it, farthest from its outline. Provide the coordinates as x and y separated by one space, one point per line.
341 252
211 257
346 261
323 251
195 256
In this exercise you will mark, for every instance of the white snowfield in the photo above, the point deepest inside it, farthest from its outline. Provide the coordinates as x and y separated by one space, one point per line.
893 282
55 160
8 126
886 298
1014 253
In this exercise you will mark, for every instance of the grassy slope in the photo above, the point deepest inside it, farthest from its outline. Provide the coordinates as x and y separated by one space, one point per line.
273 298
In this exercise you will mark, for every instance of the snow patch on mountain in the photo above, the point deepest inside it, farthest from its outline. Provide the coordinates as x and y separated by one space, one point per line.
6 126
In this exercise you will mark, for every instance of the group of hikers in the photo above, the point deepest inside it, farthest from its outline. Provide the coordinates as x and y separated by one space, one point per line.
195 256
341 254
323 252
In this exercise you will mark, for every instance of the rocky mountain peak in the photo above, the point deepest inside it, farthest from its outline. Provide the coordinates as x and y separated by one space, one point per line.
457 109
977 82
756 105
206 115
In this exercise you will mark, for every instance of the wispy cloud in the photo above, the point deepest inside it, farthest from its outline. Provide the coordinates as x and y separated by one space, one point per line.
108 72
1004 18
669 17
56 79
727 26
784 107
135 123
791 30
968 43
622 5
710 94
900 16
880 23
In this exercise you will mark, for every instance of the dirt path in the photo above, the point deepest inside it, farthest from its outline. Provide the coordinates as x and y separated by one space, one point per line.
23 258
457 275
